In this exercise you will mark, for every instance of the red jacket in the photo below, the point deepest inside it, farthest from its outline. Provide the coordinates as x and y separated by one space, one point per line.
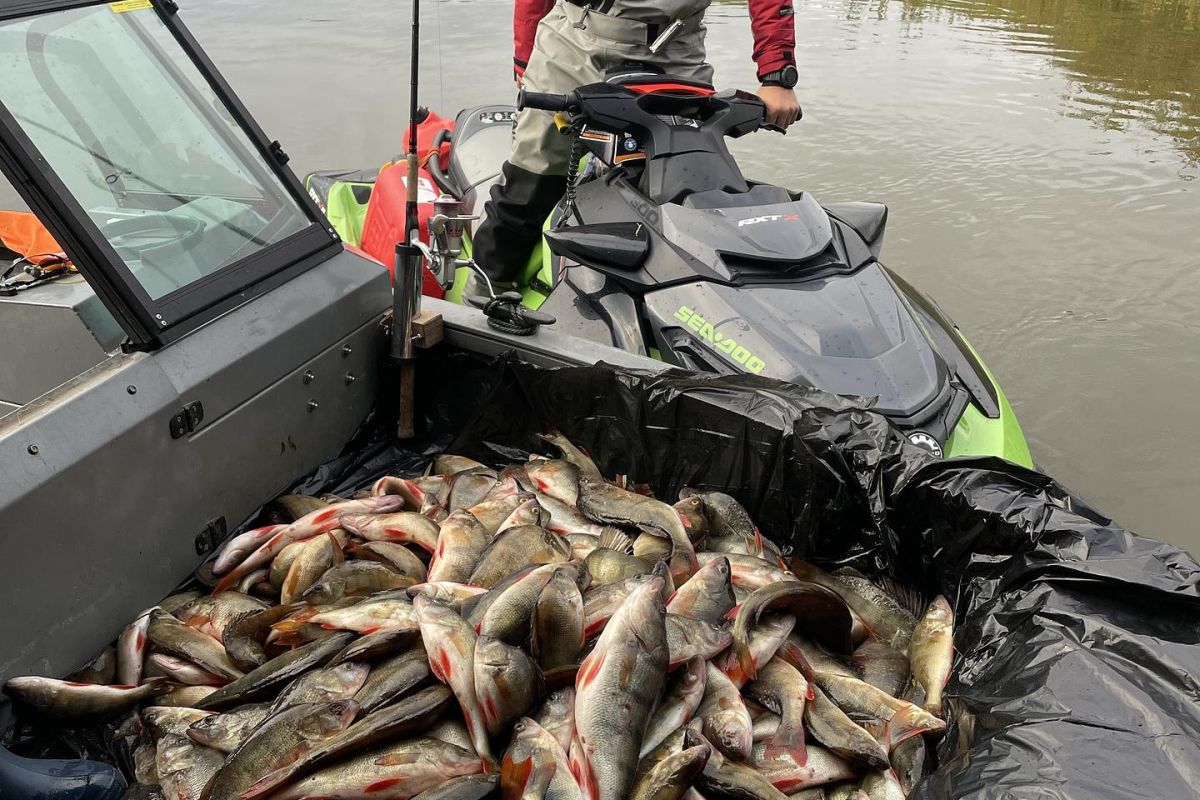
773 23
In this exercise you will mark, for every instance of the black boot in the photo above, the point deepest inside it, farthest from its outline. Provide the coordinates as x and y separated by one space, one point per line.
513 221
53 779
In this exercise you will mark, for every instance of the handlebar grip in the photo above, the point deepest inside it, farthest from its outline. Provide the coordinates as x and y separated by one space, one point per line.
545 102
775 129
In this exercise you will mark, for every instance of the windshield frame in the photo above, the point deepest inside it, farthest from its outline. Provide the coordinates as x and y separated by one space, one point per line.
150 323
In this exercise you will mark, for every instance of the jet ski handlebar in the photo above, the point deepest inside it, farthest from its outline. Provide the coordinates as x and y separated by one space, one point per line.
548 102
618 109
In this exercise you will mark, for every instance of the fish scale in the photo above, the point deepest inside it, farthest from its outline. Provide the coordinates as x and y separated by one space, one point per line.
392 677
678 705
226 732
507 683
184 768
707 595
391 772
558 622
460 543
173 637
450 643
510 617
278 741
516 548
615 691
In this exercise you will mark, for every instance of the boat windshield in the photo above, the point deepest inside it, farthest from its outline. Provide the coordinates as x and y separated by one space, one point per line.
117 110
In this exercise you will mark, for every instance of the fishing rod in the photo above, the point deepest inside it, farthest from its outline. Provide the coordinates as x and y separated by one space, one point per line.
411 218
406 292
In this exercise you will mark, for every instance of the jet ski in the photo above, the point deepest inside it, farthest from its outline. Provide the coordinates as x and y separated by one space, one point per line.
664 248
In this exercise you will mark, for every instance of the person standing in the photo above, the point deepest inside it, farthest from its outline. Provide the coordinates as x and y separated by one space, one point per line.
560 47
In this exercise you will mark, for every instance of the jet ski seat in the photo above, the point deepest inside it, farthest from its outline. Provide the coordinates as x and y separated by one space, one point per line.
638 73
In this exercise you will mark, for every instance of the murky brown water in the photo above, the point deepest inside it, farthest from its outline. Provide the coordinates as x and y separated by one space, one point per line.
1039 158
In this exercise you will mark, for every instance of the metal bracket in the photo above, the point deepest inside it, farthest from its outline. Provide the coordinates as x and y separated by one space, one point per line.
277 152
212 535
187 420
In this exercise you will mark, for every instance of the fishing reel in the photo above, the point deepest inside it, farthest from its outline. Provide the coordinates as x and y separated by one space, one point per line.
446 229
504 311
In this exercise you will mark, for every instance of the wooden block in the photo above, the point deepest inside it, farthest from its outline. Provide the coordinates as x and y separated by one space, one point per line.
427 329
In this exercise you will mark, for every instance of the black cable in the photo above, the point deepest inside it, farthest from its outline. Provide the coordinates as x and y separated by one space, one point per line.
573 172
481 181
503 316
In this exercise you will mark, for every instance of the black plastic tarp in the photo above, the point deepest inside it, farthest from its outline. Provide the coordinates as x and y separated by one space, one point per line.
1078 667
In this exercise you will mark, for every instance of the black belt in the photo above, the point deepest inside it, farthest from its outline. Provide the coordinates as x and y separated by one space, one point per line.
653 29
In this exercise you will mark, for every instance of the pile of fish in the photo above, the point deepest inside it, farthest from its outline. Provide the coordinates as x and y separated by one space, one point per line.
534 632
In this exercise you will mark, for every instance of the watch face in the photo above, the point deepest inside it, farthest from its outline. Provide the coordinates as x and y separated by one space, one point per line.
789 76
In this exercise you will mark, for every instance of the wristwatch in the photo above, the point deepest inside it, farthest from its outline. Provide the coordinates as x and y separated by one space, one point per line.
787 77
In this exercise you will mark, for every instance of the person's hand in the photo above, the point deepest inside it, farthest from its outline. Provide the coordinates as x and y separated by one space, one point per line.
782 106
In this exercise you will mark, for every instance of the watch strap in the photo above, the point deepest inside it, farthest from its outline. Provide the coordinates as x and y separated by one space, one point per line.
777 78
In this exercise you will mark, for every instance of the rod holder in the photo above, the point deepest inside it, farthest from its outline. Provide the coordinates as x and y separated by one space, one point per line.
406 305
406 299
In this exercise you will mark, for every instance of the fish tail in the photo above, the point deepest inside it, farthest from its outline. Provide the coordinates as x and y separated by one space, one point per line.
158 684
906 723
285 639
793 655
933 700
788 739
745 659
732 669
338 556
528 775
231 578
289 631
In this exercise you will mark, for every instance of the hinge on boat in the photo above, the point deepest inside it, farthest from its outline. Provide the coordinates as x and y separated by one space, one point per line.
277 152
212 535
187 420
